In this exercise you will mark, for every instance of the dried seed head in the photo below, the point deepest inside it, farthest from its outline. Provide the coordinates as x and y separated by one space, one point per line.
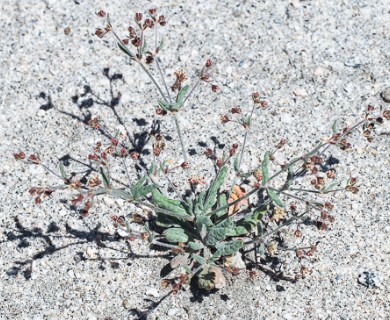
134 155
94 182
225 119
386 114
299 253
258 174
196 180
329 206
281 143
331 173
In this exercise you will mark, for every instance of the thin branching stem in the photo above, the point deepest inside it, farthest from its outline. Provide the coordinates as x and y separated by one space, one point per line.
183 148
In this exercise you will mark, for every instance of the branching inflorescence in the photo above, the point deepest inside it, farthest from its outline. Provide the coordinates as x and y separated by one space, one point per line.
212 226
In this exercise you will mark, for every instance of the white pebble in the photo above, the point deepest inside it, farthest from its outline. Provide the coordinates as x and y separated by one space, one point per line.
301 92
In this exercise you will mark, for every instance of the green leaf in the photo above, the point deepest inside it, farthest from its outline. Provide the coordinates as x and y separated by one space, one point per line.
143 191
215 235
214 187
252 220
164 105
125 49
199 259
227 248
121 194
175 235
240 231
264 168
166 221
334 127
222 202
105 178
161 45
236 164
172 205
329 188
199 208
62 170
143 49
196 246
275 198
203 223
181 95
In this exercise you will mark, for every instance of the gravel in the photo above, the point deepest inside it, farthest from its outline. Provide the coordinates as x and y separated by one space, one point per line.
315 61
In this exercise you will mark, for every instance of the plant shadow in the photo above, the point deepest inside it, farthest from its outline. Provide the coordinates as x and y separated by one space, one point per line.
24 236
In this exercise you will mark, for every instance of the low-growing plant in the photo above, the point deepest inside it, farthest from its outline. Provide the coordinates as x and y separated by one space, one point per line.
211 225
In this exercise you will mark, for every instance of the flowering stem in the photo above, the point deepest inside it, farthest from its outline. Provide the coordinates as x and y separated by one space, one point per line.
183 149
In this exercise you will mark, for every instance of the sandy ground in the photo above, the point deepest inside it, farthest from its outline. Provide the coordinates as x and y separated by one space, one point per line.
316 61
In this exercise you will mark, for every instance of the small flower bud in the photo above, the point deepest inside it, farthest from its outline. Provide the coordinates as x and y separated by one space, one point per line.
149 60
93 157
132 33
19 156
138 17
125 41
299 253
386 114
329 206
152 11
161 112
34 159
161 21
264 104
219 162
235 146
101 13
293 207
185 165
209 63
331 173
100 33
258 175
298 233
236 110
114 141
281 143
136 42
370 108
208 152
215 88
255 95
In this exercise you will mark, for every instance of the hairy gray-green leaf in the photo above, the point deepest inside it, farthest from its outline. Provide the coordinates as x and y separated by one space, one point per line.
334 127
163 202
215 235
222 202
275 198
264 168
121 194
227 248
199 259
214 187
175 235
181 95
62 170
196 246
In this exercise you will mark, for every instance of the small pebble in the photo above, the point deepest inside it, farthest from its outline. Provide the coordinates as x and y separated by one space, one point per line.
152 292
385 95
300 92
369 279
172 312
